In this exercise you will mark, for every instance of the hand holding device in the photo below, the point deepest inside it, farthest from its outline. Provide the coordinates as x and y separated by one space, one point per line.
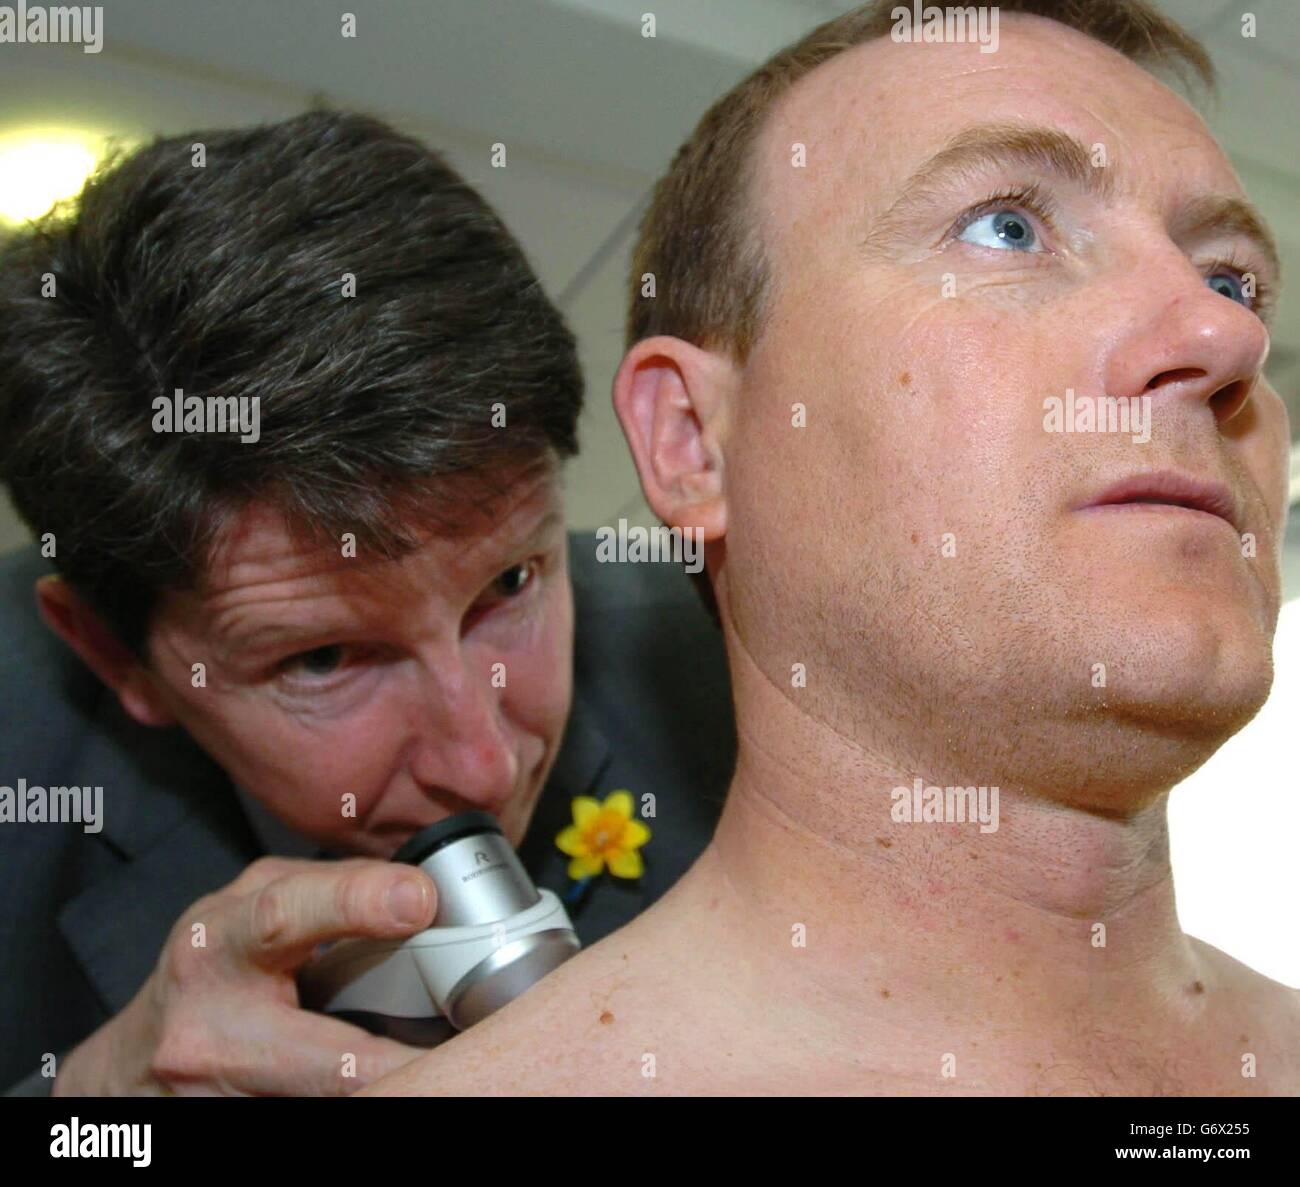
493 936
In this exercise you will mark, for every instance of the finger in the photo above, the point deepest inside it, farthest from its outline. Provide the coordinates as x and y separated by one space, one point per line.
278 927
281 1051
269 869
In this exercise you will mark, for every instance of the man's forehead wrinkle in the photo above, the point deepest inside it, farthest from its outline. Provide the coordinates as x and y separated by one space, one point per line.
273 565
298 578
291 576
264 552
274 612
348 580
261 545
277 604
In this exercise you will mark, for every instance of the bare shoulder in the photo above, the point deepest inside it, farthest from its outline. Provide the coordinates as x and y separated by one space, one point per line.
581 1030
1261 1015
1251 986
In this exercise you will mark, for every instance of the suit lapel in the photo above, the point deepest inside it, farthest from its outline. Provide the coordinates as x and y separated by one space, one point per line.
583 759
585 754
171 819
117 927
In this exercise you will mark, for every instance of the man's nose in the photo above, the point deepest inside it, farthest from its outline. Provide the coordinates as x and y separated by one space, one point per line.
462 745
1185 341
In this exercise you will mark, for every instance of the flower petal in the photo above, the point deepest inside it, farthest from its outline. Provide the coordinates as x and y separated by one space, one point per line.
620 802
584 810
570 841
585 867
626 865
635 834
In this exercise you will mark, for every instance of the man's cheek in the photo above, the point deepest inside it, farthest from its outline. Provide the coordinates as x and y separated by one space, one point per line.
325 792
316 779
538 687
1265 444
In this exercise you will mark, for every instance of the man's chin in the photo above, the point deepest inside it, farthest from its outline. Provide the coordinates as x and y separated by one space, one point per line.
1153 735
1203 714
1134 727
1206 676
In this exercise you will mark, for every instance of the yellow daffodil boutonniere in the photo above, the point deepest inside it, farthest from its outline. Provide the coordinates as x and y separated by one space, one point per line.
604 834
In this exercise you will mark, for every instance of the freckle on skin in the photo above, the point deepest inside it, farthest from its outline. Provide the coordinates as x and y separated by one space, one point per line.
905 378
884 842
606 1018
884 993
1197 987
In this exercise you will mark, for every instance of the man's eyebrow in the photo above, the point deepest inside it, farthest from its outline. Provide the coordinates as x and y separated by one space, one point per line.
1223 214
544 525
988 146
273 635
529 533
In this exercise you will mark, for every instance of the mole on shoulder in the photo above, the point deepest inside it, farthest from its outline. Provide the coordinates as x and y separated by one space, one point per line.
606 1018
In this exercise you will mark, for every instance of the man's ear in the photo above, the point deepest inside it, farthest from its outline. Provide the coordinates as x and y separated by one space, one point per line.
101 650
673 401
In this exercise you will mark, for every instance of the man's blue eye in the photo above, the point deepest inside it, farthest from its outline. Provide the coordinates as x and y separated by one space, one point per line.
1230 286
1001 229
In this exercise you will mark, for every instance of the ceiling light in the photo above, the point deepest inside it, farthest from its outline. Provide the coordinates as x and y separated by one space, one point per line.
41 167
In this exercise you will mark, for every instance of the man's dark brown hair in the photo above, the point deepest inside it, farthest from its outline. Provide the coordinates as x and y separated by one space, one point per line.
227 281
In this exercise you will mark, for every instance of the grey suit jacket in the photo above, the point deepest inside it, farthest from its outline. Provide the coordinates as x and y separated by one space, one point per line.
83 916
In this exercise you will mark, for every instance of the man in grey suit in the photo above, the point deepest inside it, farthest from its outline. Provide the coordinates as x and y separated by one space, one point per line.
286 418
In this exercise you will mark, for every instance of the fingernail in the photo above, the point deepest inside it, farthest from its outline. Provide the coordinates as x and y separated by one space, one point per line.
408 901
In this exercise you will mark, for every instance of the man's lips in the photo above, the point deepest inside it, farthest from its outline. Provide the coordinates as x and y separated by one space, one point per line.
1169 488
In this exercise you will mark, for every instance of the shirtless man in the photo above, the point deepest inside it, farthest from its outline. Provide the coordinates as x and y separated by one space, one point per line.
920 578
